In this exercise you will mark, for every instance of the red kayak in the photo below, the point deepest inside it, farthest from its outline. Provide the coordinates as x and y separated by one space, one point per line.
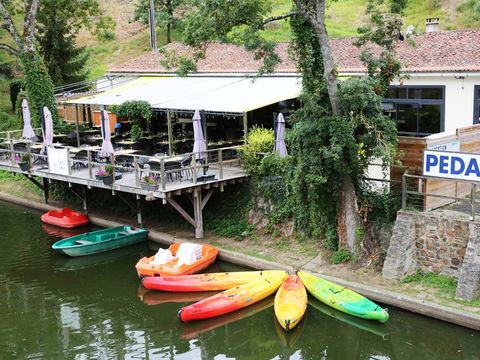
65 218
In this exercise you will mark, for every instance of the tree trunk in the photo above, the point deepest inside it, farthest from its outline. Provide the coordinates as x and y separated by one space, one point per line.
169 38
348 219
349 224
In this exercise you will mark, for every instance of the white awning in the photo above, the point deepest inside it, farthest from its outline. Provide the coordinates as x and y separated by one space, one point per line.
212 94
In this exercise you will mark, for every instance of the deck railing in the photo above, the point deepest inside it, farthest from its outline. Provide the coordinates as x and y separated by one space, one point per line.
415 194
176 168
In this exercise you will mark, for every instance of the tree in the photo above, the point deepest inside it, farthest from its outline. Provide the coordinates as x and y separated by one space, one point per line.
57 37
37 82
355 131
164 14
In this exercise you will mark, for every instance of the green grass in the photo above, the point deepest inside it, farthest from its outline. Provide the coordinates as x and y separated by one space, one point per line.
446 284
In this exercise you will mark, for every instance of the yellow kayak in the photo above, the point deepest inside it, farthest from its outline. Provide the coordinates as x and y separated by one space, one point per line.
233 299
290 302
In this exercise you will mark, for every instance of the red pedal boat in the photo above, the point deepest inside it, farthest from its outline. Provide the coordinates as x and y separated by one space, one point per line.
65 218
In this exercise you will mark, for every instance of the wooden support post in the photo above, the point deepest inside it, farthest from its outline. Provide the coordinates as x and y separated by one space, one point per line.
220 164
198 213
84 199
45 190
69 167
245 127
89 159
77 128
137 171
12 152
162 174
139 211
206 198
170 132
182 212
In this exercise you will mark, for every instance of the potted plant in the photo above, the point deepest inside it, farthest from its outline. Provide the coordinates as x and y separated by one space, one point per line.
149 183
23 162
105 174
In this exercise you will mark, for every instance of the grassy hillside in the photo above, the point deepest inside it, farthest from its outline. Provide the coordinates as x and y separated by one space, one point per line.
343 18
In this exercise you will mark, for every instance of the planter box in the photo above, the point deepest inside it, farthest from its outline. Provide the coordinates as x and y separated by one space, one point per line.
24 166
149 187
107 180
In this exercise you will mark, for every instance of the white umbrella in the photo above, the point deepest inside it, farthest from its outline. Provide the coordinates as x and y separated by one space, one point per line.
47 128
279 145
107 147
28 132
199 146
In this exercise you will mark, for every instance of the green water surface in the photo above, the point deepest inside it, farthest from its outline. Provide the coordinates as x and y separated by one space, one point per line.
55 307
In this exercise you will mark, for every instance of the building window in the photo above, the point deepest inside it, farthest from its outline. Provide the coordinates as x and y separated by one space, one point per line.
417 111
476 105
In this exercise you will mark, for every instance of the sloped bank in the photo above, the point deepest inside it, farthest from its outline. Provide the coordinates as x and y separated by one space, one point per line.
413 304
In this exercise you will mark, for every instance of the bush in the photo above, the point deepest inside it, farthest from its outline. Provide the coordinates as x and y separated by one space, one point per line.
341 256
138 114
259 142
9 122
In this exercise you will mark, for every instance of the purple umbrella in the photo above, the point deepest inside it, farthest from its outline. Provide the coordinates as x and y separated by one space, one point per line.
279 145
199 146
27 124
107 147
47 129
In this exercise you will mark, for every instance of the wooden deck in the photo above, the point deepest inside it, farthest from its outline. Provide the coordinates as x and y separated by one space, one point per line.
196 179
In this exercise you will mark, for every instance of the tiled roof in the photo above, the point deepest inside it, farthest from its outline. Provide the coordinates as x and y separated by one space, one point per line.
446 51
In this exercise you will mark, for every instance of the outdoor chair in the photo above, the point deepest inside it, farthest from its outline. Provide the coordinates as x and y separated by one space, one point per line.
80 160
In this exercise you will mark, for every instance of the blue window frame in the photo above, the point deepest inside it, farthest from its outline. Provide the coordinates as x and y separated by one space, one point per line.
476 105
417 110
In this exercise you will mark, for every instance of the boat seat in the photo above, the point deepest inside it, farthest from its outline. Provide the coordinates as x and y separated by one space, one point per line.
83 242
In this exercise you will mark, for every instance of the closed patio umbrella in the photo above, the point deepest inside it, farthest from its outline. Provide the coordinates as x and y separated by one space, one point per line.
28 132
107 147
279 145
47 128
199 146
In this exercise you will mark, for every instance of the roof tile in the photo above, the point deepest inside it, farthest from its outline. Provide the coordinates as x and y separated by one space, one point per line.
446 51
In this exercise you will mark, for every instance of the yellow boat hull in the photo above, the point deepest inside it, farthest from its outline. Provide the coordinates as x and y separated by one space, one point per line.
290 302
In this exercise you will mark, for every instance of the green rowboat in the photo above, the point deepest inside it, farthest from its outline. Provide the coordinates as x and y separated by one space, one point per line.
342 299
100 241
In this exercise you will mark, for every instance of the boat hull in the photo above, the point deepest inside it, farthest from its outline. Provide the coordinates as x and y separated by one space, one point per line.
290 302
145 268
203 282
233 299
342 299
100 241
65 218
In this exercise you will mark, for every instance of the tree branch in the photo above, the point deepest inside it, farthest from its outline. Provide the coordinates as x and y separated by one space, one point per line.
31 10
280 17
9 49
8 25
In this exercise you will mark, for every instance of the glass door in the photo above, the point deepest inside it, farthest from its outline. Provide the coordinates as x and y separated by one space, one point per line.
476 104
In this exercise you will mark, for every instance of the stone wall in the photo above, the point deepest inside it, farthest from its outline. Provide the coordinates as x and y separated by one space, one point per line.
437 243
441 243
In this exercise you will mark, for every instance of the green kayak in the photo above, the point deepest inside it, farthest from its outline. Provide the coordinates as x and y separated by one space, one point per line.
100 241
341 298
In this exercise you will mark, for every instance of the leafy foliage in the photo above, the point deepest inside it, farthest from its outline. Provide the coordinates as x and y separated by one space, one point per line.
471 11
138 113
57 38
259 142
341 256
445 283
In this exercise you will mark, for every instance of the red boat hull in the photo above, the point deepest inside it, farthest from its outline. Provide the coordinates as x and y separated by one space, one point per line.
65 218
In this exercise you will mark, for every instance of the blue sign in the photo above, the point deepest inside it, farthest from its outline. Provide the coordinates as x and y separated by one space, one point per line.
451 165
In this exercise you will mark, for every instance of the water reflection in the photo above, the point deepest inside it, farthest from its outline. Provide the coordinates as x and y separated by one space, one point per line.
93 312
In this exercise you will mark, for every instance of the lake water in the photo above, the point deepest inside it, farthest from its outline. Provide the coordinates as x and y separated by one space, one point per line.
54 307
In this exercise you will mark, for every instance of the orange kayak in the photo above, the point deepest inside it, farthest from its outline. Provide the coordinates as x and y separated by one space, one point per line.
65 218
233 299
147 267
290 302
203 282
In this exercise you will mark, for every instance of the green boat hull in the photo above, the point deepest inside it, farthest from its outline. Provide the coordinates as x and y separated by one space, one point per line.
100 241
342 299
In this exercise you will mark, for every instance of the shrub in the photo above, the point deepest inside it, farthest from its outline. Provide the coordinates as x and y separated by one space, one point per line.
341 256
138 114
259 142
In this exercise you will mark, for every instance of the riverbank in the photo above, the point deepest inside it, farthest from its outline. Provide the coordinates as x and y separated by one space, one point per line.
254 254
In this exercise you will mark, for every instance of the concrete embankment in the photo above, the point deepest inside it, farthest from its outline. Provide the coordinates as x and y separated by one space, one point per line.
416 305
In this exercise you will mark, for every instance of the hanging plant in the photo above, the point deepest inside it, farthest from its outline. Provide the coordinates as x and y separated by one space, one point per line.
138 113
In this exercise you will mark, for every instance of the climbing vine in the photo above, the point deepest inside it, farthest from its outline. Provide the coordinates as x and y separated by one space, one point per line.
39 87
138 114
